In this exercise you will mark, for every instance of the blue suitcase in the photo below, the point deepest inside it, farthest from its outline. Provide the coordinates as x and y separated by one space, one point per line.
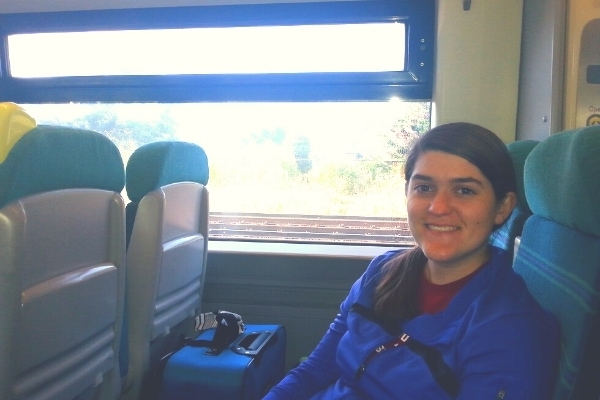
245 370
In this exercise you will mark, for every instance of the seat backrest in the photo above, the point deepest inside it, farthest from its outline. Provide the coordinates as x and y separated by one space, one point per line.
504 237
62 265
166 254
559 252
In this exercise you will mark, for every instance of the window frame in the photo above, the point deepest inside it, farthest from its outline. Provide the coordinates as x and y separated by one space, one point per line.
415 83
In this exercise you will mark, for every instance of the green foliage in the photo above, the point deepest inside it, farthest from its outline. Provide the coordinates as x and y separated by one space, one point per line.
342 182
271 170
302 154
128 134
349 180
407 130
355 177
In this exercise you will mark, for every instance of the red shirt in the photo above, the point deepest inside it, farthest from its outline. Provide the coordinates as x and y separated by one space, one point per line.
435 298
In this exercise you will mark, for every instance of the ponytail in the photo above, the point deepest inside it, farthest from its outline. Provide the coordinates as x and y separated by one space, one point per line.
396 295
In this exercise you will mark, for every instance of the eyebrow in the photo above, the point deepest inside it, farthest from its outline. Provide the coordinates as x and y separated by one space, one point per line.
428 178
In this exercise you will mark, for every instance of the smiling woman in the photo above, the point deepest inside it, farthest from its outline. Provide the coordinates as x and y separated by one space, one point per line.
452 210
452 300
452 204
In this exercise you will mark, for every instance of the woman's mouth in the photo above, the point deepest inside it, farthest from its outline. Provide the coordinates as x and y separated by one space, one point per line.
441 228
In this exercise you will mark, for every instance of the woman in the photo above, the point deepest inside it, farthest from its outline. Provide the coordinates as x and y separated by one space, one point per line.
448 318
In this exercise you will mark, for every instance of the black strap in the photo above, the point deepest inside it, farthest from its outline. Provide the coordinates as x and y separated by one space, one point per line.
440 371
212 348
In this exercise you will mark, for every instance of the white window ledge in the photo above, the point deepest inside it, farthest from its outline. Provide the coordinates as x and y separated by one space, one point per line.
296 249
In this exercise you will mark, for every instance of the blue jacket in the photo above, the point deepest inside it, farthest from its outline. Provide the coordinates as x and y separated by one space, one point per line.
495 337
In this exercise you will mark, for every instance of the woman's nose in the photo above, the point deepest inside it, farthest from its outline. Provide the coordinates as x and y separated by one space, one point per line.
440 203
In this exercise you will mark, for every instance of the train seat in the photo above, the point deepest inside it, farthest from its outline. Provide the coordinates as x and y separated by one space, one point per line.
504 237
559 252
62 265
167 229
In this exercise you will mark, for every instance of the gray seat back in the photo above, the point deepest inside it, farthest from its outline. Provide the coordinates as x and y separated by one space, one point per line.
62 266
166 254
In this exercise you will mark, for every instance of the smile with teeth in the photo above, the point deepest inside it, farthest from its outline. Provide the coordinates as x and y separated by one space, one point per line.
439 228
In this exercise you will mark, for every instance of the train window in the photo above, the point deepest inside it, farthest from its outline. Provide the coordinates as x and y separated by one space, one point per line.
259 49
290 171
306 135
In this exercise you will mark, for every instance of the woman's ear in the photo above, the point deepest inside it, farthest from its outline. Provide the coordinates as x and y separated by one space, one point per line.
507 204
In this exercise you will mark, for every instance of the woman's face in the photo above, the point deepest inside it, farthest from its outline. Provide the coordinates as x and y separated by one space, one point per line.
452 210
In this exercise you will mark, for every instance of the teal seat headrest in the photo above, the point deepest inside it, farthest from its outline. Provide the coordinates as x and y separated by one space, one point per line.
52 158
518 152
572 202
161 163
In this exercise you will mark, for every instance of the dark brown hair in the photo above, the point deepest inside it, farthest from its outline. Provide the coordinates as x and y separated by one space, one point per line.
395 297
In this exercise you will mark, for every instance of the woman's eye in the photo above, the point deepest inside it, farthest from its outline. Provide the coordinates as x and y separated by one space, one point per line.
423 188
465 191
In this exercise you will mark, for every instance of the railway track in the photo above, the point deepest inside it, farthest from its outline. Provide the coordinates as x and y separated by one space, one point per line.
302 228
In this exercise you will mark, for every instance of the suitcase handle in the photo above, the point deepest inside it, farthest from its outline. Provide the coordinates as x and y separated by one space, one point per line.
252 343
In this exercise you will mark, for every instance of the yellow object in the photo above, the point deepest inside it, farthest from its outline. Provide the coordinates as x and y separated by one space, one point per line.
14 123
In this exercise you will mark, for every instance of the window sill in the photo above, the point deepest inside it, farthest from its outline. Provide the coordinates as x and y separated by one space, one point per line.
296 249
